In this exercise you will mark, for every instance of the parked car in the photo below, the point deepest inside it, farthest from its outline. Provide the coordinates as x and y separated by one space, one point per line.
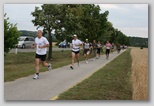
25 41
68 45
62 45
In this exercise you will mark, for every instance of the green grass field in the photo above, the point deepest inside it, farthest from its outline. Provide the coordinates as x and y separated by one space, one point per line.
112 82
23 64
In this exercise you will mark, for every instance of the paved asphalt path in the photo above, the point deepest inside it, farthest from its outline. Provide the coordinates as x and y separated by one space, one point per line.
51 84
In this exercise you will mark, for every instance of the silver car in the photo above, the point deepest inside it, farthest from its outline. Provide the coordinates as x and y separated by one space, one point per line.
25 41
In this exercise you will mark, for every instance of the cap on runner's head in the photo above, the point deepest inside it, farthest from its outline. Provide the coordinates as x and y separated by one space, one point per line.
86 39
74 35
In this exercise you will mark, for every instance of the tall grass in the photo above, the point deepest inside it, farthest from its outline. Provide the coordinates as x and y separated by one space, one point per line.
139 73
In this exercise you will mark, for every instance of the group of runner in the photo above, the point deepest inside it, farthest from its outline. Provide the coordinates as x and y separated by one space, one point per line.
88 48
41 44
94 47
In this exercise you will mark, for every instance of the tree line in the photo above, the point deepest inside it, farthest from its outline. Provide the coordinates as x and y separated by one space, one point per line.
138 42
133 41
85 20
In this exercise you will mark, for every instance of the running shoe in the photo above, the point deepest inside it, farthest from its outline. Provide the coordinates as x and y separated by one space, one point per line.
78 64
49 67
71 67
86 61
36 76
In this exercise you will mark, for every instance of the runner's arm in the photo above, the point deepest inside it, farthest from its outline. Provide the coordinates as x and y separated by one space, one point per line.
83 45
34 45
71 45
80 44
44 46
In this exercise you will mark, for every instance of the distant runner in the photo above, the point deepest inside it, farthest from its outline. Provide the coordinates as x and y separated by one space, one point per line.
113 47
108 47
94 47
76 43
118 48
99 46
86 48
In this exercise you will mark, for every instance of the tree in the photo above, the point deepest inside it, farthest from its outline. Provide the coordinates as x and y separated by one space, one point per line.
70 21
80 19
85 20
47 17
90 22
11 35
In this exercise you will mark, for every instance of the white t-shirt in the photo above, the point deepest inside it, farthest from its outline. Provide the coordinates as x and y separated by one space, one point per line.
75 43
86 45
40 42
98 45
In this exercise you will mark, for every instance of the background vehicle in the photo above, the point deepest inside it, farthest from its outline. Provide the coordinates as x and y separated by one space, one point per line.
25 41
64 45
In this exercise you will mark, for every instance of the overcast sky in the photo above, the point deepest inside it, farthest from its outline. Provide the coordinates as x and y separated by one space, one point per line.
131 19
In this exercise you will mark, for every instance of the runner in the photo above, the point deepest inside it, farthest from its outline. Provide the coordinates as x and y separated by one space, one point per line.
118 48
112 47
41 43
76 43
108 47
86 48
94 46
99 46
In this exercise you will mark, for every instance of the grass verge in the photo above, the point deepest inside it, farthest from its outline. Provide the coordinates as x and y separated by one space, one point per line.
112 82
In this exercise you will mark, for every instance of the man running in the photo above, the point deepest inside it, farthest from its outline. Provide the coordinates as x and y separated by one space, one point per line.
94 46
41 43
86 48
99 46
108 47
113 47
76 43
118 48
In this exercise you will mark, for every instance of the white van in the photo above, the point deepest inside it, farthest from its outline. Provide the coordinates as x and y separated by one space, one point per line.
25 41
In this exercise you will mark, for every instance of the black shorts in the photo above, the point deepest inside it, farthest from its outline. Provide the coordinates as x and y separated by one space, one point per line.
98 50
76 52
85 51
107 51
41 57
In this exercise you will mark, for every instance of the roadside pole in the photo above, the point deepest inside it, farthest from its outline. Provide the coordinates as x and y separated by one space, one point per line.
16 50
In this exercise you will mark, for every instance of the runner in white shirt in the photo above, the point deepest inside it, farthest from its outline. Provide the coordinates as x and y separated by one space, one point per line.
76 43
41 44
86 48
